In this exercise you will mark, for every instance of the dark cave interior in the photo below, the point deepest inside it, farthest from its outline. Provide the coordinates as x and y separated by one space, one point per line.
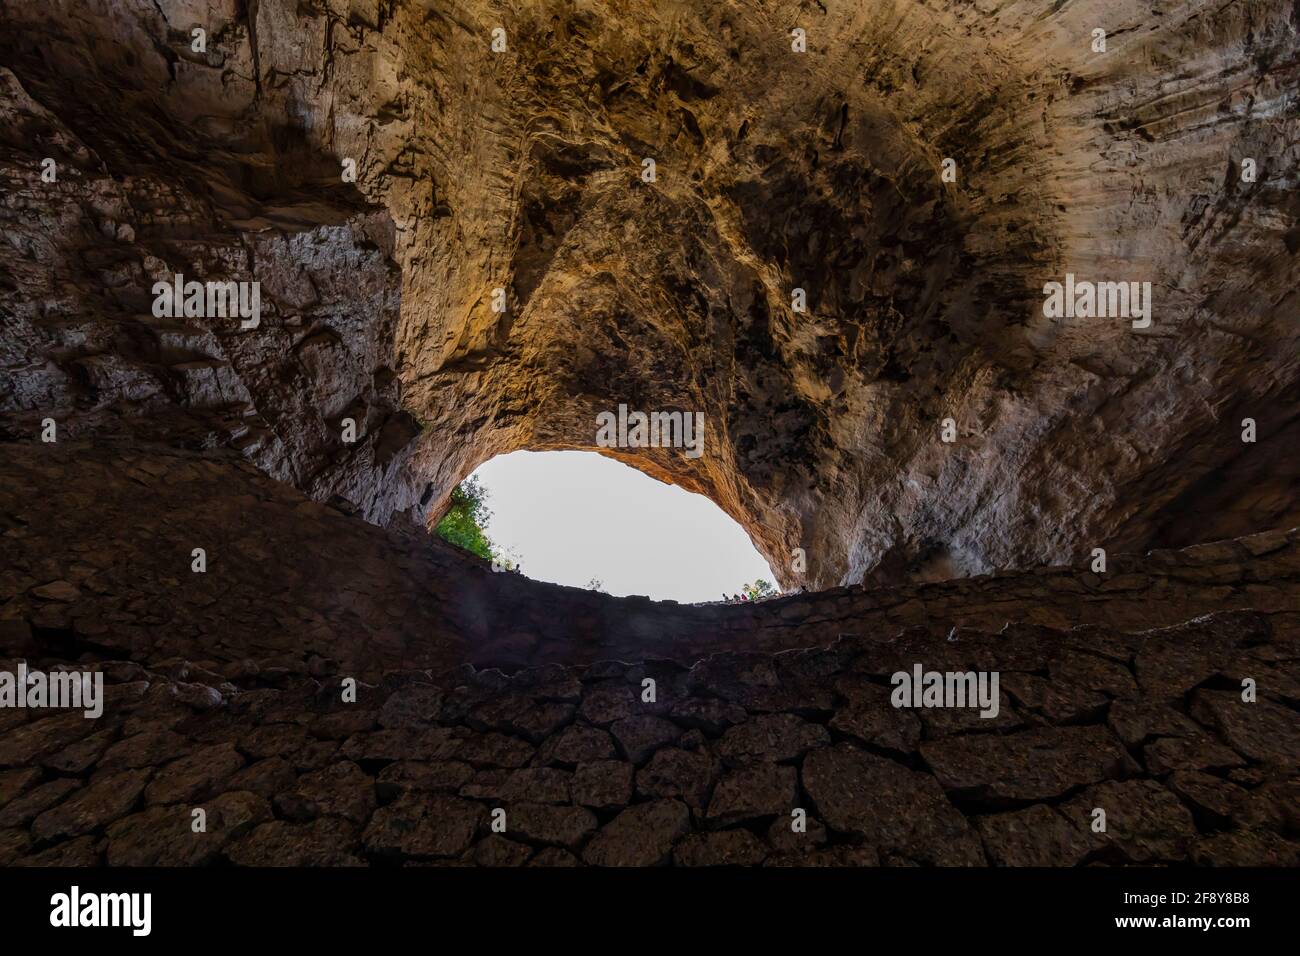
458 251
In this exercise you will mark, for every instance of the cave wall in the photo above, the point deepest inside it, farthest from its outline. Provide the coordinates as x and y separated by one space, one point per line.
776 170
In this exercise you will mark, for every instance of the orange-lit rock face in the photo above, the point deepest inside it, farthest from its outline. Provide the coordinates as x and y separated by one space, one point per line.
775 170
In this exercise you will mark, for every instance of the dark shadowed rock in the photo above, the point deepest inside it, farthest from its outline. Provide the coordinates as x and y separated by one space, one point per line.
639 836
708 714
1145 823
82 851
81 756
521 716
888 806
1208 796
1134 721
441 775
783 837
14 782
25 745
751 793
869 716
1263 731
21 810
1274 805
577 744
686 775
1189 753
542 823
606 702
194 777
13 844
1245 848
640 736
415 705
165 835
836 856
147 749
273 740
494 750
722 848
423 825
328 841
534 784
402 743
107 797
341 790
496 850
266 777
603 785
1035 836
1029 765
770 738
1174 660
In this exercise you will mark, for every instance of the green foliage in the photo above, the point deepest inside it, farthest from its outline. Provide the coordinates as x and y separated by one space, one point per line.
463 524
759 589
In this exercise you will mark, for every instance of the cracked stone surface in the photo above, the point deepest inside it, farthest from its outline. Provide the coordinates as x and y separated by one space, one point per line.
499 721
346 792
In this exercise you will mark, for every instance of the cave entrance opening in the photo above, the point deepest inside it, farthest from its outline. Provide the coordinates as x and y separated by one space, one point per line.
584 520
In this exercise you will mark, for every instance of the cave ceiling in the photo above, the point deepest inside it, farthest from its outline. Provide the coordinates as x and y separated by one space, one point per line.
840 259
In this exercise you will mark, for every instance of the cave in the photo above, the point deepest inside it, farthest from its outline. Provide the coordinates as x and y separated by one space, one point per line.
979 319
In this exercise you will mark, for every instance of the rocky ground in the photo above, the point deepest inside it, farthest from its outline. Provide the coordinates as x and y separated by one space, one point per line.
1149 727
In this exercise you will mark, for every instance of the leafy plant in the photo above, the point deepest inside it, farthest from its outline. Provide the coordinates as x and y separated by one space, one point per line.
465 522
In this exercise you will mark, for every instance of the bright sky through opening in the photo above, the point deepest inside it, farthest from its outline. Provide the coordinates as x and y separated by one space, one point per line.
570 516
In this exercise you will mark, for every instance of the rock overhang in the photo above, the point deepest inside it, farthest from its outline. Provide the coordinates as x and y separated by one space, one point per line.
775 171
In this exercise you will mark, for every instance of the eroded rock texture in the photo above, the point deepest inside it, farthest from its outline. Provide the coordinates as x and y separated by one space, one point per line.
133 149
521 170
